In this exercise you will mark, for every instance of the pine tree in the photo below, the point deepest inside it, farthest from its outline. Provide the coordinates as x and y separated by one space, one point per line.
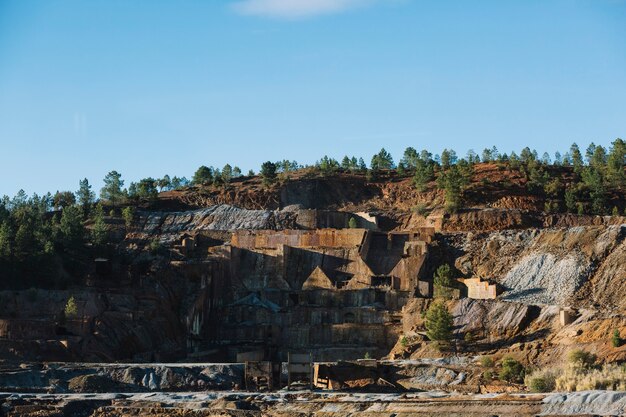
203 175
99 231
268 173
112 190
452 181
128 214
442 282
70 309
616 339
616 162
71 226
438 322
577 158
85 196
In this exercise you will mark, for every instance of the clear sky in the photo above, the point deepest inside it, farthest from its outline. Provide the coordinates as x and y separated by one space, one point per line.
153 87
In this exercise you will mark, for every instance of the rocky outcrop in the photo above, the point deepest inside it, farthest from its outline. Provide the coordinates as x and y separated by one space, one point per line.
545 266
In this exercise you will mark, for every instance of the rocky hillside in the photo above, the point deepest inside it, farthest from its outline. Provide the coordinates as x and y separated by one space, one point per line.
174 284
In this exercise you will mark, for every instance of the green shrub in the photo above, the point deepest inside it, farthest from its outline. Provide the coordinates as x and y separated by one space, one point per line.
512 370
581 358
486 361
420 209
487 375
71 309
541 384
616 339
155 246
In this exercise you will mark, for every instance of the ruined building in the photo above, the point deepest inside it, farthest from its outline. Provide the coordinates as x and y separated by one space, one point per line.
336 293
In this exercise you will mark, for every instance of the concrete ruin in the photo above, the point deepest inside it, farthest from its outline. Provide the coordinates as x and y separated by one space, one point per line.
478 289
336 293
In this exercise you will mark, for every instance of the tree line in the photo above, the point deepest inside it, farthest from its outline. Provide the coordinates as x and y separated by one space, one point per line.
594 175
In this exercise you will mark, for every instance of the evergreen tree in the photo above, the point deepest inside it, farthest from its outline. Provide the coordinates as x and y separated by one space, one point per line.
424 173
487 155
227 173
591 149
616 162
268 173
472 157
71 309
327 165
592 178
345 163
85 196
442 282
452 181
558 159
203 175
570 199
382 160
438 322
147 188
410 158
527 156
164 183
616 339
448 157
5 240
71 226
577 158
128 214
112 190
99 231
63 199
598 159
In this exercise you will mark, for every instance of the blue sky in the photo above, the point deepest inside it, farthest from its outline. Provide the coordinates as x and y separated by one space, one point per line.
155 87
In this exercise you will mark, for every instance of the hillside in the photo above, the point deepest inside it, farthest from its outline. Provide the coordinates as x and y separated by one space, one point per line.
339 265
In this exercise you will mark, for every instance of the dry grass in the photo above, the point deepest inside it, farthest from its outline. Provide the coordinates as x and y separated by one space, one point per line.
576 378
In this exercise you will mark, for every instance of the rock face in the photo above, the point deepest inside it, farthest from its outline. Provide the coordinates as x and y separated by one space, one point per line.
545 266
496 320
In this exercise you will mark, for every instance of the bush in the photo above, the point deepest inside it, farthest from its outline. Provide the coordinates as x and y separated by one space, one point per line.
420 209
155 246
581 358
608 377
487 375
486 361
512 370
71 309
541 384
616 339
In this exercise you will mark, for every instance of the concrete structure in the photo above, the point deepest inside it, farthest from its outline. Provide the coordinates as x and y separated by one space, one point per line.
331 292
479 289
567 316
